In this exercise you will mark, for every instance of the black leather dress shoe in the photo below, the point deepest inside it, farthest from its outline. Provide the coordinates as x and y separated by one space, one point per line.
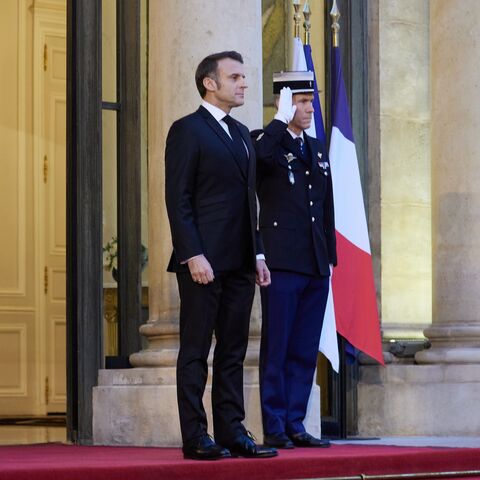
304 439
204 448
278 441
244 446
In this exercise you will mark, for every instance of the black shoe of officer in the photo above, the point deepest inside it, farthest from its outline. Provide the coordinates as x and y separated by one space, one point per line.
304 439
279 440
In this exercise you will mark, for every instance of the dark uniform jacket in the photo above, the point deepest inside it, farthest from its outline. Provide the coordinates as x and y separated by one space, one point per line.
296 202
210 195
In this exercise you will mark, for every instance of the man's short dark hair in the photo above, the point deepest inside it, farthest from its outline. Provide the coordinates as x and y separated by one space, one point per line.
208 68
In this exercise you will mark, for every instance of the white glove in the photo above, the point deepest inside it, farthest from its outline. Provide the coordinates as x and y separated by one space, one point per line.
286 111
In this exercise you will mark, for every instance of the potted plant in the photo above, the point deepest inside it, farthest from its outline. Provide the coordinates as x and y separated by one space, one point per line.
110 257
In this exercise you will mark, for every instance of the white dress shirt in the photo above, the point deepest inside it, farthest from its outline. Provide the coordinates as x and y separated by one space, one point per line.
218 114
294 135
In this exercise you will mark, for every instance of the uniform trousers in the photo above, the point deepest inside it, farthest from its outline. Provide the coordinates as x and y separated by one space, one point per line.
293 307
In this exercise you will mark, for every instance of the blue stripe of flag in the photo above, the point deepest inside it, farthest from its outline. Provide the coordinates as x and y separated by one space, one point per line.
340 109
317 115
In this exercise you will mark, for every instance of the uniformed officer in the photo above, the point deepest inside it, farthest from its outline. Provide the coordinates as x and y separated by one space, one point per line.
294 187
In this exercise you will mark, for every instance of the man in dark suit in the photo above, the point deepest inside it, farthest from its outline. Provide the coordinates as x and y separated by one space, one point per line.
210 195
294 188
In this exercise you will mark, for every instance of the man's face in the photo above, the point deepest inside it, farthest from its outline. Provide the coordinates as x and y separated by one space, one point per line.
229 89
303 115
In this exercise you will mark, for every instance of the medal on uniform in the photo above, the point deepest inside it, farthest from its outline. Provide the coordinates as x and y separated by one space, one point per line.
290 157
323 166
291 177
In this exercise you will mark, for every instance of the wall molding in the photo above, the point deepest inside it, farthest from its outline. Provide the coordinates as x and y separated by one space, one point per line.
12 309
21 330
53 247
56 5
54 322
20 289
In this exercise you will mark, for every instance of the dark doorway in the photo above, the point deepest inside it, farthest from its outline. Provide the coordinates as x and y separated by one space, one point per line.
84 199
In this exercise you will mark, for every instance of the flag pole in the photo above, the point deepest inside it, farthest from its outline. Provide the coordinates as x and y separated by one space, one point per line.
306 24
296 18
335 14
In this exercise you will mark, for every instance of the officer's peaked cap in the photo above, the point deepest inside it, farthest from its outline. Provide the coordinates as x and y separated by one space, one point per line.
299 82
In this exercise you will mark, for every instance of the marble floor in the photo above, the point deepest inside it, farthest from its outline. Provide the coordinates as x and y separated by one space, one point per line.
20 435
418 441
24 435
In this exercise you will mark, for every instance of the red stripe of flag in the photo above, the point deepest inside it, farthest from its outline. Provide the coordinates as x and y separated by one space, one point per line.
354 299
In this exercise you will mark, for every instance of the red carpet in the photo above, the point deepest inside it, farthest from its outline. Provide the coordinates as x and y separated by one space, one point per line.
68 462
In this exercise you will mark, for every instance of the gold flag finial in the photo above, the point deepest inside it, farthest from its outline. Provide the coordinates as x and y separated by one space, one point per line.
306 24
296 18
335 14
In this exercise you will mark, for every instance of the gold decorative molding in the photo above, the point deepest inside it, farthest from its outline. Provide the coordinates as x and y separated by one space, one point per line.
45 57
47 390
45 169
45 280
110 316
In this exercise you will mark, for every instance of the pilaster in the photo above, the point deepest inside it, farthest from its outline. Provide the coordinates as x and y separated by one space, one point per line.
139 406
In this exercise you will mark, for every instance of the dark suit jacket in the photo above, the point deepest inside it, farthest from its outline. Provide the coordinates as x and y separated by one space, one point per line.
211 201
296 220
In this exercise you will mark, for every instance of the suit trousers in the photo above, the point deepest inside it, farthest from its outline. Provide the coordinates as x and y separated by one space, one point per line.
293 307
223 307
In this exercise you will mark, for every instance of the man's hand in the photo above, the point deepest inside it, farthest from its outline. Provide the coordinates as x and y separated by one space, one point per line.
286 111
200 270
263 274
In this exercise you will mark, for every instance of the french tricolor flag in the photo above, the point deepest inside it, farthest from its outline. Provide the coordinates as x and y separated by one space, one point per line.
354 305
351 306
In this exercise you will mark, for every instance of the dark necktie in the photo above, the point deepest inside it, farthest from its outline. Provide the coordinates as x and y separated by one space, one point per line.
238 145
301 145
